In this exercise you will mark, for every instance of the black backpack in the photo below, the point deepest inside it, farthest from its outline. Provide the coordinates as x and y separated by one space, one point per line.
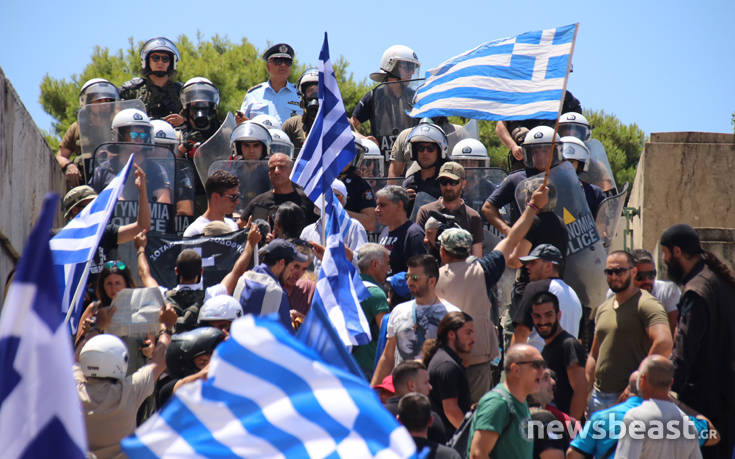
186 303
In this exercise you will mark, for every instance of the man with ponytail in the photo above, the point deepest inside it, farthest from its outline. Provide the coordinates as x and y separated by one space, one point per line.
450 389
704 348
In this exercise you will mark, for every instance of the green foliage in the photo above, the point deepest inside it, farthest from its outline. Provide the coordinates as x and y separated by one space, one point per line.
233 68
623 144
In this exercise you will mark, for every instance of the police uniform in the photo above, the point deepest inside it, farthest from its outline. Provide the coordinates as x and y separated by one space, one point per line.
359 192
159 101
262 99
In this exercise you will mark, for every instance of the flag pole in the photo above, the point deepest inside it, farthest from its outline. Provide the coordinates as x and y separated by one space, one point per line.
561 104
77 292
324 220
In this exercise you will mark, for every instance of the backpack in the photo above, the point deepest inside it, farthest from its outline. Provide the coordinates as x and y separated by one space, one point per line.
186 303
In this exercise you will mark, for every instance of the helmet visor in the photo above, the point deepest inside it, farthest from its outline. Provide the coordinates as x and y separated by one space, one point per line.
200 93
579 131
99 91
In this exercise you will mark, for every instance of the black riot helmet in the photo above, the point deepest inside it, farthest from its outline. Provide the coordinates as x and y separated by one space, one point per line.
186 346
200 98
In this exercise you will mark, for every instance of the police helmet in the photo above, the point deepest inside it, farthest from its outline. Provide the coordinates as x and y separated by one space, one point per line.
393 58
161 44
220 307
97 89
280 143
164 133
540 138
104 356
428 132
371 159
250 131
574 124
186 346
310 76
124 122
573 148
199 89
470 150
269 121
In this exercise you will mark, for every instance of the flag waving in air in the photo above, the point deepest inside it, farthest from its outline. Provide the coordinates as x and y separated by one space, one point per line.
40 413
515 78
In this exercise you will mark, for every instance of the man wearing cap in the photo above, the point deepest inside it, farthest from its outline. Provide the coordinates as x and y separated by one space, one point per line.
544 265
704 349
260 290
468 284
451 184
276 97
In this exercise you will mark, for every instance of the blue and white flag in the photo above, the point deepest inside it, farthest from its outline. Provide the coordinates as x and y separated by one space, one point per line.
508 79
74 246
40 413
330 145
270 396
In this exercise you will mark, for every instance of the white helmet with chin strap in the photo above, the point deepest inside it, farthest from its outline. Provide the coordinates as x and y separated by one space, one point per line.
281 143
126 120
574 124
97 89
164 133
469 150
104 356
390 61
540 138
161 44
573 148
269 121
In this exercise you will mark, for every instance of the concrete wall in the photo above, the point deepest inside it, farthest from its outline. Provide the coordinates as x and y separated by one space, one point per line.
28 170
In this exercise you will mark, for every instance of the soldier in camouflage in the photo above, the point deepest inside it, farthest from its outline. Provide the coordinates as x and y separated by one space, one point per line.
158 60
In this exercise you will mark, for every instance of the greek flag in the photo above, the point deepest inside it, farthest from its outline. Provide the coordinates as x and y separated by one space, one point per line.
74 246
330 145
40 413
516 78
270 396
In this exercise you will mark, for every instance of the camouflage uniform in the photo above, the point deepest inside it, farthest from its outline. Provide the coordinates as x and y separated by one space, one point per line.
159 101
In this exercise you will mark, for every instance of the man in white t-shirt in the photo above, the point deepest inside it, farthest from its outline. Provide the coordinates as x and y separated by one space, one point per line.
222 190
413 322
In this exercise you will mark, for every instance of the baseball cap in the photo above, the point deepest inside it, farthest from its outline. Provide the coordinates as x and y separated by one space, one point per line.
386 384
451 170
220 307
278 249
683 236
456 240
75 196
545 252
398 284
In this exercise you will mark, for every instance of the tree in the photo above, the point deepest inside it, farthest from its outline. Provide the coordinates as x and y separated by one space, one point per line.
233 68
623 143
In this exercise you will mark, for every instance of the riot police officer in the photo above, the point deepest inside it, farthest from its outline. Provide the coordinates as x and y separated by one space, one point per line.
429 149
574 124
199 99
159 58
281 143
576 152
472 155
360 203
250 141
298 127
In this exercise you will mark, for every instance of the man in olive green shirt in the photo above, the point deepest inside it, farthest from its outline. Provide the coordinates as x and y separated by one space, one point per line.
373 260
628 327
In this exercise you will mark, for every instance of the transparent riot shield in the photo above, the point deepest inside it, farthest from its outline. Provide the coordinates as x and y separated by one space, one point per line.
481 182
253 176
95 128
585 258
599 172
215 148
608 216
391 103
184 194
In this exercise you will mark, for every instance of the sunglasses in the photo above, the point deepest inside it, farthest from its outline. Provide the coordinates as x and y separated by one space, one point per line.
138 135
429 147
616 271
160 57
643 275
445 182
537 364
118 265
232 197
281 61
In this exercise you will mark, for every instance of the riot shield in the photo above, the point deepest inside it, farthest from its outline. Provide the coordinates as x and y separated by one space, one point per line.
95 128
253 176
372 166
599 172
585 258
481 182
608 216
214 148
391 103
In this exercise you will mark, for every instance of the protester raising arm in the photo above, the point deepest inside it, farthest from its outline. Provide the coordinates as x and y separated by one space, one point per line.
127 232
144 270
242 263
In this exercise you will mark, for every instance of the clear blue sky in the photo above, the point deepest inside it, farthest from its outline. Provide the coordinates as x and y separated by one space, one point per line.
667 66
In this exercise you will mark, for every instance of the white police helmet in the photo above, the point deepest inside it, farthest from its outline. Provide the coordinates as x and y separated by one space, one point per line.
96 89
164 133
270 122
574 124
470 150
280 143
428 132
573 148
310 76
220 307
392 59
129 118
199 89
540 138
162 44
250 131
104 356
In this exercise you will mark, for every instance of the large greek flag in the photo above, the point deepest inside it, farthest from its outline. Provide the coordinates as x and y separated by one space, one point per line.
74 246
270 396
40 413
330 145
508 79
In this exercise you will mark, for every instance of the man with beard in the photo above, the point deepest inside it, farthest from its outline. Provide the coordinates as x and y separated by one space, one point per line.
563 353
628 327
704 351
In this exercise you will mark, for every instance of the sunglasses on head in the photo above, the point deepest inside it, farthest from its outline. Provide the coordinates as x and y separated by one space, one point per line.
537 364
117 265
616 271
280 61
160 57
643 275
446 181
138 135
